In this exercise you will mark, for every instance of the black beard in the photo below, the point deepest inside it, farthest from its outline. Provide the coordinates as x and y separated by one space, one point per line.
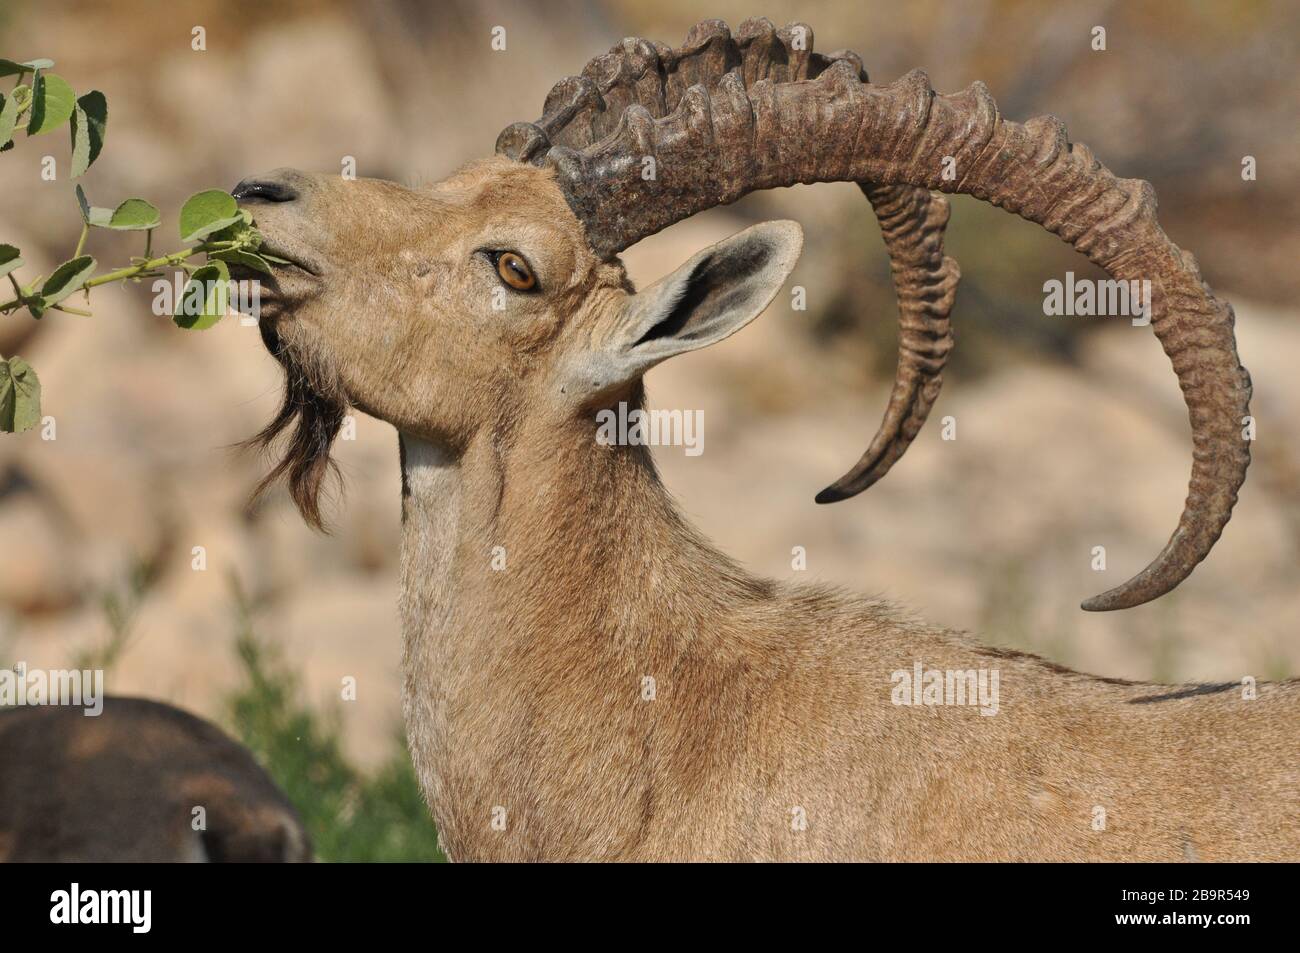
312 413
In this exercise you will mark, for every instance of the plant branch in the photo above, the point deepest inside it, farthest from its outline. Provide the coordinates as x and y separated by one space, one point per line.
121 274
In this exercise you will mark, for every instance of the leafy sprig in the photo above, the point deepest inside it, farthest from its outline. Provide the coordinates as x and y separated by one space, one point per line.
210 224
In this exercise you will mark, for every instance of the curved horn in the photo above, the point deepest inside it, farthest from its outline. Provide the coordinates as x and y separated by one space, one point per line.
581 110
718 145
912 222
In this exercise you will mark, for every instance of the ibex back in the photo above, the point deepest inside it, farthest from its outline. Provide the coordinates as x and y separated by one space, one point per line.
585 676
139 782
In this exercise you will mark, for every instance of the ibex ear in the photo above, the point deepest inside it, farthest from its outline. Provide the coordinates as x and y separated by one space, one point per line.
716 293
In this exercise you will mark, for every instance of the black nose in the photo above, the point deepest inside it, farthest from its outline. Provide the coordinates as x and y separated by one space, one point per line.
270 191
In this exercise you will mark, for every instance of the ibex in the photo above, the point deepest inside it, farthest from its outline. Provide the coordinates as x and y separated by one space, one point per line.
547 578
124 785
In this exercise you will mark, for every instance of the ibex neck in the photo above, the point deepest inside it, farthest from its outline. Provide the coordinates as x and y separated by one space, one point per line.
537 564
547 525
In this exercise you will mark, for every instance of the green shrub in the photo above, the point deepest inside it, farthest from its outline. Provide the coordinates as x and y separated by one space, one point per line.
352 815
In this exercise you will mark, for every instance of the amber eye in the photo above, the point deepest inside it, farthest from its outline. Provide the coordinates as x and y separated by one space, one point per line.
515 272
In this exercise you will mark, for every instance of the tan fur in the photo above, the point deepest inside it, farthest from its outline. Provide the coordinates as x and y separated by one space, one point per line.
524 687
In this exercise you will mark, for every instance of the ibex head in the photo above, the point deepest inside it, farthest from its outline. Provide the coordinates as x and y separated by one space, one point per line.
480 301
498 291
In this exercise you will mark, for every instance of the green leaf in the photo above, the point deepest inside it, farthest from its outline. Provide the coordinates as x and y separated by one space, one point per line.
67 278
97 217
89 122
239 232
80 129
238 256
9 259
203 302
8 117
218 225
206 212
10 68
53 101
19 98
84 203
133 215
20 395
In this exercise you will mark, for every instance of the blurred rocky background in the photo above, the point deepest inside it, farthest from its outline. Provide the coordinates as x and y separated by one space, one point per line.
1071 432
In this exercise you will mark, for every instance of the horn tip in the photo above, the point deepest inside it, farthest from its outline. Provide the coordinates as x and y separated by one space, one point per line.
832 494
1095 604
1121 597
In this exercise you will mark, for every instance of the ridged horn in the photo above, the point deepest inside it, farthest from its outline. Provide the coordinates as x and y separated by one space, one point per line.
581 110
823 121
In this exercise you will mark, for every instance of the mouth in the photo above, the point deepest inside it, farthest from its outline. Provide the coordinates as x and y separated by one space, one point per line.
287 259
292 280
